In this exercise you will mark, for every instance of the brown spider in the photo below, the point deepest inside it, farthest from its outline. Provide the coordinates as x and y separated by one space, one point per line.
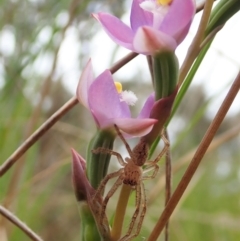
131 174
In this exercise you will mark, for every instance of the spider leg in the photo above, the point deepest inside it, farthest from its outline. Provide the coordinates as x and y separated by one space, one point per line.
135 215
144 208
155 171
98 205
143 212
153 164
124 141
103 183
108 151
163 152
95 205
102 224
110 194
138 205
143 198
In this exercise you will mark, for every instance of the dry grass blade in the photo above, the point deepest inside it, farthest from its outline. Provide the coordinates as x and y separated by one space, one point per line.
168 180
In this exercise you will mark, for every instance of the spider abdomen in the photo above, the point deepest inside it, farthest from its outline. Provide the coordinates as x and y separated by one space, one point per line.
140 153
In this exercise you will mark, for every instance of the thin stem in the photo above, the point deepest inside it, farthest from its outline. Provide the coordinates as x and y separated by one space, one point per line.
210 37
168 182
150 67
203 146
52 120
120 212
12 218
201 6
122 62
194 48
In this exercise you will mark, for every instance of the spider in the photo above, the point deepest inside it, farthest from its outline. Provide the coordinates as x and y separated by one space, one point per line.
131 174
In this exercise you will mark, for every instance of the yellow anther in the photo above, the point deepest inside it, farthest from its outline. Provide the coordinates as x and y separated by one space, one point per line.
164 2
118 86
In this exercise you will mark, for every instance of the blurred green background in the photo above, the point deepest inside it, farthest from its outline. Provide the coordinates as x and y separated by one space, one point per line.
34 84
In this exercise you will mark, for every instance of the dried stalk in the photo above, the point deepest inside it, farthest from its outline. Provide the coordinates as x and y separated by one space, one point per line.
17 222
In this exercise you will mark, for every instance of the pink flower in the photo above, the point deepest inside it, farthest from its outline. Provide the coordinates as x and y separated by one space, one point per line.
100 96
154 26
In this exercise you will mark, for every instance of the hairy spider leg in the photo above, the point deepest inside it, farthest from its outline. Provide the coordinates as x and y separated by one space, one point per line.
135 215
124 141
143 209
153 164
103 226
104 182
111 152
142 215
99 210
110 194
111 175
106 179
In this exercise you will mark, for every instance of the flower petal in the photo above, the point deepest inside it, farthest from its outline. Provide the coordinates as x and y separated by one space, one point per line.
145 112
84 83
140 17
160 111
177 21
149 41
135 127
116 29
104 100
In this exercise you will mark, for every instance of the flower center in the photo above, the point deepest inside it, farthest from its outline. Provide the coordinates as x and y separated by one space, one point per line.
128 96
118 86
159 9
164 2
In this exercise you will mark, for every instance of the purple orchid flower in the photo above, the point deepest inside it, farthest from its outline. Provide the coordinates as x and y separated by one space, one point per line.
100 96
156 25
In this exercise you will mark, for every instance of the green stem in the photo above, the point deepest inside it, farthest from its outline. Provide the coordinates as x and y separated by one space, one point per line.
120 212
89 231
97 164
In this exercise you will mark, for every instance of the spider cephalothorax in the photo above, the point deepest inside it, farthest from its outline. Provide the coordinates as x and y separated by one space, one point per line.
131 174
